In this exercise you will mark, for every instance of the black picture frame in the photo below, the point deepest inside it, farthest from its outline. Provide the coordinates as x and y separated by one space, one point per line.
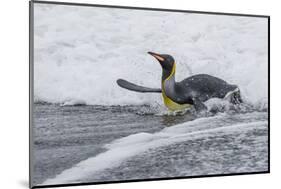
31 89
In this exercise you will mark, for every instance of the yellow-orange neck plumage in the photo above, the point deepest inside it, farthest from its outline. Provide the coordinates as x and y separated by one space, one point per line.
169 103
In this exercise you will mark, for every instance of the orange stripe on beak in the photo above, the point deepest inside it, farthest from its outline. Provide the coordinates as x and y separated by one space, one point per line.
157 56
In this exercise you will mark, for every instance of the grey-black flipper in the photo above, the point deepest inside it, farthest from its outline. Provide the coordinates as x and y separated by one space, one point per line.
133 87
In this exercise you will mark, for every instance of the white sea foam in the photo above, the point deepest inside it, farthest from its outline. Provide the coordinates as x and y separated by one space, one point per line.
121 149
81 51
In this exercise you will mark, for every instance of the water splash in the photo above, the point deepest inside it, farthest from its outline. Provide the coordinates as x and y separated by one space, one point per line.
80 52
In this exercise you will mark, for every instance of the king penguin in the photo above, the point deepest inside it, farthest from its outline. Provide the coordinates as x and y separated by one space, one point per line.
192 91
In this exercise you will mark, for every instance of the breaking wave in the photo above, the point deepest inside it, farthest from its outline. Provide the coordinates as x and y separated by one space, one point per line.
80 52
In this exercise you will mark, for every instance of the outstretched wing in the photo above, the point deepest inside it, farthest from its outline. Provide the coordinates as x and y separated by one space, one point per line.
133 87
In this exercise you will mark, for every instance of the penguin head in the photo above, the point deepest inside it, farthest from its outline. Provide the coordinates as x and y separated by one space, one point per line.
166 61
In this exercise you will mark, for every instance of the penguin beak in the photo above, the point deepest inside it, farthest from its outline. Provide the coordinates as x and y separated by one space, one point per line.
157 56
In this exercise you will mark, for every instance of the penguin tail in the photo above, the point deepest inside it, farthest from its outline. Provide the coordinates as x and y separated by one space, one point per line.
133 87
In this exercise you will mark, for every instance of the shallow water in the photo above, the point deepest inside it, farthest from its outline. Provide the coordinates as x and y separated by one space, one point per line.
65 135
98 143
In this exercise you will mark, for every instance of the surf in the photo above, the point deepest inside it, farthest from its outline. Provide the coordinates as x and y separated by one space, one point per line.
86 67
